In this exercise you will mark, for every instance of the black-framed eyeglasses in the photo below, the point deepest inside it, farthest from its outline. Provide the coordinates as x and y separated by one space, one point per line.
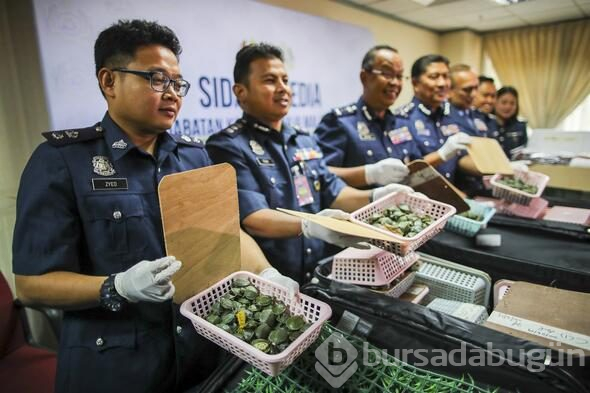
159 81
387 75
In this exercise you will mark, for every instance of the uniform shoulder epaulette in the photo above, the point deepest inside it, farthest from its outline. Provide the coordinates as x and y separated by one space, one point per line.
404 110
301 130
187 140
75 135
234 129
345 110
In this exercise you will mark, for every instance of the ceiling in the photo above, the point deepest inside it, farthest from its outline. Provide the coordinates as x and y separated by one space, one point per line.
477 15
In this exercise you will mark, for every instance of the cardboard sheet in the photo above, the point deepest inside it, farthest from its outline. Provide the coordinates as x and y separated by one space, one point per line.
425 179
341 226
544 315
488 156
201 226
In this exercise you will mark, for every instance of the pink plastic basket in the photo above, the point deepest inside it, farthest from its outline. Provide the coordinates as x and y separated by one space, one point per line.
314 312
502 191
534 210
369 267
400 245
405 282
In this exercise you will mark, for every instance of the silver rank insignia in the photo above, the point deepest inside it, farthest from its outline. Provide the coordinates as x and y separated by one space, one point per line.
186 138
364 133
57 135
102 166
256 148
120 144
480 125
71 134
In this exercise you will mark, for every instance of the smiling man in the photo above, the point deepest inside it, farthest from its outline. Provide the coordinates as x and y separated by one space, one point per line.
279 165
437 135
88 234
362 142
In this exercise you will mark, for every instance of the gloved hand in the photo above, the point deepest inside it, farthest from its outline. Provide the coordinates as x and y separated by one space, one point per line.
148 281
380 192
313 230
521 165
389 170
273 275
453 145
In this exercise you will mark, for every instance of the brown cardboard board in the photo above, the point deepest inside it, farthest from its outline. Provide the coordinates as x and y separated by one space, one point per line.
341 226
488 156
566 177
556 308
201 226
425 179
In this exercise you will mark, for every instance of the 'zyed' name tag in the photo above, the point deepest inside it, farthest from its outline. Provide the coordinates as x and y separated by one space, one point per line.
116 184
262 161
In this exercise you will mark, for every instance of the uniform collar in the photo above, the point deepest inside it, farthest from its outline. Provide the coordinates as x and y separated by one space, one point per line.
265 131
444 109
120 144
369 114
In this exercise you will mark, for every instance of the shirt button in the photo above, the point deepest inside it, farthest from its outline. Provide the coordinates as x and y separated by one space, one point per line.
426 143
307 275
99 342
159 169
308 251
179 330
441 141
405 151
99 129
314 172
438 123
117 215
370 153
448 175
285 147
273 180
389 149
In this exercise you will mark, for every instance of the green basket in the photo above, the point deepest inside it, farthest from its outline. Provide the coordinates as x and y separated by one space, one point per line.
391 375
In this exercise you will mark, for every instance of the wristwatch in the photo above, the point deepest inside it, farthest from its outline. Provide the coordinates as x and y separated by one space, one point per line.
109 297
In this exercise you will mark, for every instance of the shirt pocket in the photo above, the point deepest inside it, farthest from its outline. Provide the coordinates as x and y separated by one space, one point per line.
114 224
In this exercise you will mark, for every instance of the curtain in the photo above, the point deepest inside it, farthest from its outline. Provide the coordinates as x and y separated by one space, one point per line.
548 65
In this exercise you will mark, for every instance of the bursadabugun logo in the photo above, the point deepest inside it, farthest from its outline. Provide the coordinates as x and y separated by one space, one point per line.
336 360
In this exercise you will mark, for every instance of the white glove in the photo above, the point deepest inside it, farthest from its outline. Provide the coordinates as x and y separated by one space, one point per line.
148 280
313 230
521 165
453 145
380 192
389 170
273 275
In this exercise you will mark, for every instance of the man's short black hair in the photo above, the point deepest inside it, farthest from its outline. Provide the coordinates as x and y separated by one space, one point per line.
250 53
116 46
420 65
485 79
369 59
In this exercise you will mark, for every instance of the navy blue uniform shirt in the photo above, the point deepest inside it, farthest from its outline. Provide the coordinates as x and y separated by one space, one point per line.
465 120
512 134
430 130
352 136
88 204
485 123
266 162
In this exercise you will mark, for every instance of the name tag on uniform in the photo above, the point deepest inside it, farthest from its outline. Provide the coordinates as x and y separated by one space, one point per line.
112 184
449 129
480 125
400 135
265 161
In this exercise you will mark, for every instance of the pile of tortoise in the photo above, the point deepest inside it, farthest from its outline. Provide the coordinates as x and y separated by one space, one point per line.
401 220
260 320
518 184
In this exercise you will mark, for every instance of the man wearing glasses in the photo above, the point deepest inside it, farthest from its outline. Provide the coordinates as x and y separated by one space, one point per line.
436 133
88 234
362 142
